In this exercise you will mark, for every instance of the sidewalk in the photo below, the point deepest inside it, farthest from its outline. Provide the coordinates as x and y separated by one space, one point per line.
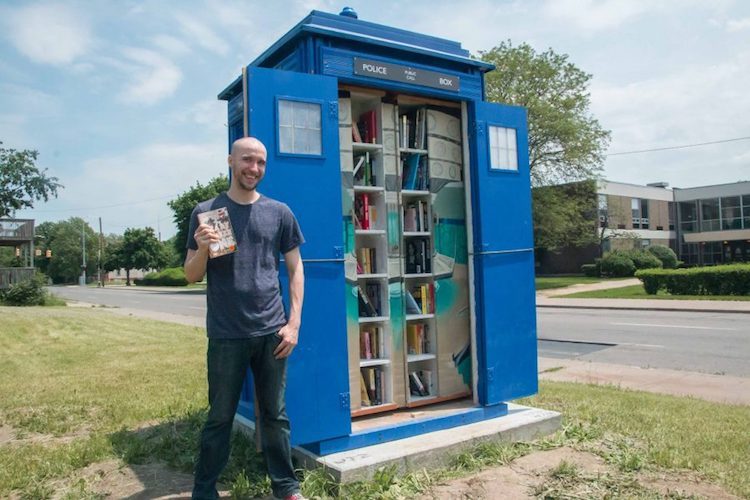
550 298
717 388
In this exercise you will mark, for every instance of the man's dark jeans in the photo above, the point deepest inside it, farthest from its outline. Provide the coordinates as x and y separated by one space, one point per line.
228 360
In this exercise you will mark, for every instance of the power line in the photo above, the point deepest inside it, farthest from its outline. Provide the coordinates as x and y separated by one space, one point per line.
129 204
678 147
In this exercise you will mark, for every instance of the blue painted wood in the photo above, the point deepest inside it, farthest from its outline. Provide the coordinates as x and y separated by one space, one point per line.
340 63
318 371
503 261
407 429
337 27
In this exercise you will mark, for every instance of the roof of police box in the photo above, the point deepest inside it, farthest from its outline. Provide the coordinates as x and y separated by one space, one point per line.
351 28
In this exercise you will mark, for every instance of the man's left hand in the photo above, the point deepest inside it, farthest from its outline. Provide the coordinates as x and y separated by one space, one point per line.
288 342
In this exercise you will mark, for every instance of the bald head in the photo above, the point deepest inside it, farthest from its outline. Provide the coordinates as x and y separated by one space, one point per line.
246 143
248 163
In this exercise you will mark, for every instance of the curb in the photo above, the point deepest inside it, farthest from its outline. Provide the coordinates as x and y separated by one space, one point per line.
642 308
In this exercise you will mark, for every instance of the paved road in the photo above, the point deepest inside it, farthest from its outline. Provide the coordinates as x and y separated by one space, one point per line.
188 302
716 343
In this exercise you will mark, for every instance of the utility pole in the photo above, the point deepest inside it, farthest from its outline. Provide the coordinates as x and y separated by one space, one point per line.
83 246
101 243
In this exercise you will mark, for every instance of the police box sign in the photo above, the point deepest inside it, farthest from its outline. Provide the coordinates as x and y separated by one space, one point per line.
406 74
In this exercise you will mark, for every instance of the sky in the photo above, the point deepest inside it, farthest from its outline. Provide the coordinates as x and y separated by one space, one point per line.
119 98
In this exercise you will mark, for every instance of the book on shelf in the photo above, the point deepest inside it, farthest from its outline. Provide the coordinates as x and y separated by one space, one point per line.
363 394
417 338
369 123
418 259
363 174
369 305
412 307
416 387
366 260
374 385
424 298
356 136
416 216
413 128
410 171
371 343
219 221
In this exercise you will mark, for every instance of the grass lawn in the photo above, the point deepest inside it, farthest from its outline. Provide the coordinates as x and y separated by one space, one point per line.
83 386
637 292
546 283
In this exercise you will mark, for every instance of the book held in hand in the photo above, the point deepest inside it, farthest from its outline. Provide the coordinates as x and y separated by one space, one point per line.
219 221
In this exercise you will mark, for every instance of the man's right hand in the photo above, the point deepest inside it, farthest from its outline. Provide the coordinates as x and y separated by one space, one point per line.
205 236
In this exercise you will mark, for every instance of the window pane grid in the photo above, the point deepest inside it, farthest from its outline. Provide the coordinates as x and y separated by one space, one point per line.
503 149
300 127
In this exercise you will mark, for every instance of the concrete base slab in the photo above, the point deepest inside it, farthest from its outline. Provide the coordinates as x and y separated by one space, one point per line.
431 450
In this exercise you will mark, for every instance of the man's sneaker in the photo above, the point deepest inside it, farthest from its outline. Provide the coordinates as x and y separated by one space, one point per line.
295 496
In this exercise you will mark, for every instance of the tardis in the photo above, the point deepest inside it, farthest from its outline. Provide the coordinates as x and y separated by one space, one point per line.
413 194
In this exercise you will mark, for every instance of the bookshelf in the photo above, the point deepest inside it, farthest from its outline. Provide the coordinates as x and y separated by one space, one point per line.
403 351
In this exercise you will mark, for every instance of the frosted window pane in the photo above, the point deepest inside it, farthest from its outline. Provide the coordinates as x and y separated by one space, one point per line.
286 113
286 140
503 149
300 127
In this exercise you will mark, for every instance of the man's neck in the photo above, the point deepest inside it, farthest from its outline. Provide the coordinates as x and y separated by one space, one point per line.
243 196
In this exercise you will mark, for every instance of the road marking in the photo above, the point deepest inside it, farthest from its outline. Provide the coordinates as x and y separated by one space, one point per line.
675 326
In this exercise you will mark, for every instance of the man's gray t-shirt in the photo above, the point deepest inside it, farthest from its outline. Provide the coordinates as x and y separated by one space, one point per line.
244 295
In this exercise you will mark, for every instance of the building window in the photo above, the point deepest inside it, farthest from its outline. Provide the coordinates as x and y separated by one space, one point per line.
746 211
710 218
712 253
300 128
688 216
503 149
603 210
639 209
670 209
689 254
731 213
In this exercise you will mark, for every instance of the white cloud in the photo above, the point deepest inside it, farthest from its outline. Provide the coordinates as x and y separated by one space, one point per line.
202 35
49 33
170 44
209 113
154 77
595 15
738 24
134 186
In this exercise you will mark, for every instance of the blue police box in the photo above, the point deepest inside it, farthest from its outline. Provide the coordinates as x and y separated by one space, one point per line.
414 197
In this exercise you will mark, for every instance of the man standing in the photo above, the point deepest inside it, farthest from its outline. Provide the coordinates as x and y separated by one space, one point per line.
246 321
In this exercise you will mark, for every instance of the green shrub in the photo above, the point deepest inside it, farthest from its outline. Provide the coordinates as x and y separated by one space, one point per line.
643 259
172 276
665 254
591 270
653 280
718 280
26 293
617 264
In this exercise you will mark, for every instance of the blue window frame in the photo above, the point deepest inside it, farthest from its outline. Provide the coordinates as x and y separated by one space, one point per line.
503 148
299 130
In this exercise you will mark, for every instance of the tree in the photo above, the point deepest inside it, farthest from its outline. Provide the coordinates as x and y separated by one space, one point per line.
565 216
139 249
566 143
21 181
64 240
184 204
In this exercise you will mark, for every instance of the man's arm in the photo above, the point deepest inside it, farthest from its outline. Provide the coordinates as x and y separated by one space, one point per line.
197 260
289 332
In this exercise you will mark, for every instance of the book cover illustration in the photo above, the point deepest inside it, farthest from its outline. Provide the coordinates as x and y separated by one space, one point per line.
219 220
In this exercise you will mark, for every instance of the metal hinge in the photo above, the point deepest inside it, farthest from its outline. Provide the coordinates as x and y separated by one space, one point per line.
490 374
338 252
344 400
333 110
478 129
